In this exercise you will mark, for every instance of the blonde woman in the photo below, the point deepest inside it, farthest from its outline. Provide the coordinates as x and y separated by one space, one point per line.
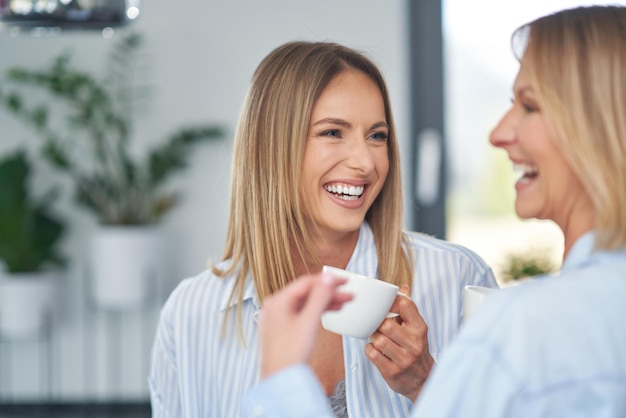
316 181
553 347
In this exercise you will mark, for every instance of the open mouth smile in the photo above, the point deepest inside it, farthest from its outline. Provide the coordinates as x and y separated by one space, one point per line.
345 191
526 172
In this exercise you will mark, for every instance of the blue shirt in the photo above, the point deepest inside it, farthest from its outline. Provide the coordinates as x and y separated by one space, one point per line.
553 347
198 372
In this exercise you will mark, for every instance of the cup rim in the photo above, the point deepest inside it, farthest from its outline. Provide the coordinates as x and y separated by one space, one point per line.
341 272
480 289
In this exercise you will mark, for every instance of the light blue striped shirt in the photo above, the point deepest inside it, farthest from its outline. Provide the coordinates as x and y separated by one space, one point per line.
550 348
196 372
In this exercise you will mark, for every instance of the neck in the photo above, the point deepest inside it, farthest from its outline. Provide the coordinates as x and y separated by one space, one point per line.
573 230
575 218
331 251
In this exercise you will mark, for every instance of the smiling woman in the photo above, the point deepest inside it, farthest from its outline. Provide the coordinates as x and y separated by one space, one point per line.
479 69
548 187
316 181
346 150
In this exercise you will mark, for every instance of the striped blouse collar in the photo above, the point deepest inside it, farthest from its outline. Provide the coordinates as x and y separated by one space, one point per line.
363 246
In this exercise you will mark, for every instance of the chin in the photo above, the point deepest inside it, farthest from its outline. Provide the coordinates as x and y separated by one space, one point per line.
346 227
524 212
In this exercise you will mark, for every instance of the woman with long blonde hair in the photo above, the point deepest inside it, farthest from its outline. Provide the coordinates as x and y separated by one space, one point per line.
316 181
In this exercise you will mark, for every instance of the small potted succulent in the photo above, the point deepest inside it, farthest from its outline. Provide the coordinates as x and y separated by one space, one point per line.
126 191
29 252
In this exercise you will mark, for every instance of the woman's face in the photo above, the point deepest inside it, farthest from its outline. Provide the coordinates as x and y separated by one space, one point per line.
547 188
345 158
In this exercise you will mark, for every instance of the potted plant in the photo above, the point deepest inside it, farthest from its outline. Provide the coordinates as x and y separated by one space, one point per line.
29 238
521 266
125 191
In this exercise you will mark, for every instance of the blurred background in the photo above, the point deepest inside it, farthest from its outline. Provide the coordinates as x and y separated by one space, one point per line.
449 69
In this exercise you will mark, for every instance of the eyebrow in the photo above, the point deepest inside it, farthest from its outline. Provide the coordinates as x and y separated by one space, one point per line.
524 90
346 124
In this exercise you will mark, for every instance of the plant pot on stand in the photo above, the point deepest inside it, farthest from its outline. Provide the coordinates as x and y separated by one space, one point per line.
124 266
27 303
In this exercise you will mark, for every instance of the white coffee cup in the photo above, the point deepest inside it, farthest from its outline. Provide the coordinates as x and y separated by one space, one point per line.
474 296
369 307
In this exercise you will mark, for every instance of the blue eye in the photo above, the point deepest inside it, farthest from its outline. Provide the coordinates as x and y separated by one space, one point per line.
336 133
380 136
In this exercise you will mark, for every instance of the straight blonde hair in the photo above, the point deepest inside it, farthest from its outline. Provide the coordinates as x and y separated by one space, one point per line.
576 62
267 217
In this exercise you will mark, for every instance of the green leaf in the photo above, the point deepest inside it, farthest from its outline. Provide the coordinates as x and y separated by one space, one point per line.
172 156
29 233
14 102
56 155
40 117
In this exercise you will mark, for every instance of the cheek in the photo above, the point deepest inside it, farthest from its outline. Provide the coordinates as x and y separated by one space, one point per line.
316 161
534 137
321 157
382 164
564 179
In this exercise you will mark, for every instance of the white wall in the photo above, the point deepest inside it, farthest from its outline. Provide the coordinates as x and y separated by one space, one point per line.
204 53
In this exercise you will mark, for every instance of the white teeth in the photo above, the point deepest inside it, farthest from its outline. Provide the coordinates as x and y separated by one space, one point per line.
345 191
525 170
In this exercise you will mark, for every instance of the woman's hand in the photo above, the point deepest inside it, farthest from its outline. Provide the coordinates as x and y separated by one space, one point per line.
399 348
290 320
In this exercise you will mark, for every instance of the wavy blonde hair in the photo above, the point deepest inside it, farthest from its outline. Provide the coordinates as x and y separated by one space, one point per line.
576 62
267 214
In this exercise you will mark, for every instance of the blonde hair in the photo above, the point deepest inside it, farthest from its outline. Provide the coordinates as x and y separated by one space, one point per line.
576 63
267 213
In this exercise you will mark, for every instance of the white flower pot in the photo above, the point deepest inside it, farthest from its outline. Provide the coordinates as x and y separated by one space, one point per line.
124 266
26 303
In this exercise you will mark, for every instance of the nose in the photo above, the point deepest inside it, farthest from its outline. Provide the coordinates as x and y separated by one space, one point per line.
360 156
505 131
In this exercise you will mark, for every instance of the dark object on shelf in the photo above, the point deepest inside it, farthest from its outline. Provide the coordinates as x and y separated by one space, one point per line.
68 14
77 410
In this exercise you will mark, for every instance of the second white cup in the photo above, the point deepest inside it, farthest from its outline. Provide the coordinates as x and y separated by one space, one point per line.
473 297
361 316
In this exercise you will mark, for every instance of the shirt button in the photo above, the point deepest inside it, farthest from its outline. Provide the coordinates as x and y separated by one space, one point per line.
354 367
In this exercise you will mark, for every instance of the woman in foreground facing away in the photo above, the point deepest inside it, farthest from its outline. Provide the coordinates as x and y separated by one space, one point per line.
316 181
555 346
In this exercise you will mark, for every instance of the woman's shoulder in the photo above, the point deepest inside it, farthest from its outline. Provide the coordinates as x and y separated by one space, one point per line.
205 278
561 309
205 289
